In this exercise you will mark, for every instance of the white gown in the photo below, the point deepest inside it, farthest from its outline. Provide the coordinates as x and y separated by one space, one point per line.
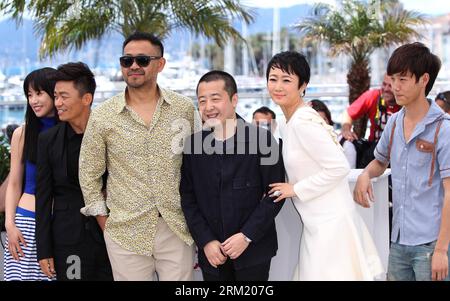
335 243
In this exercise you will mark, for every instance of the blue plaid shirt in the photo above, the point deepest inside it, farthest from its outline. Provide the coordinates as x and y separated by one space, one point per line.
417 207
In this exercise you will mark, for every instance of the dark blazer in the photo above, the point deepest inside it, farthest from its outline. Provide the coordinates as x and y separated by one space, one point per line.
59 198
222 195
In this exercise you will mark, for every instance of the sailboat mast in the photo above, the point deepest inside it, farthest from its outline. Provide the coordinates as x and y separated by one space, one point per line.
276 30
245 50
228 61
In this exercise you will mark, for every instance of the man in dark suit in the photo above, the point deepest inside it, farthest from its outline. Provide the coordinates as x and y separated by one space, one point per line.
225 175
69 244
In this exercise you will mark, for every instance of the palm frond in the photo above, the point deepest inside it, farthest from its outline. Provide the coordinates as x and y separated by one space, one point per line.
14 8
357 31
66 25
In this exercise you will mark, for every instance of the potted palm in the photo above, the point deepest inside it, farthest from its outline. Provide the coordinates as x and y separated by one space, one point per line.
357 28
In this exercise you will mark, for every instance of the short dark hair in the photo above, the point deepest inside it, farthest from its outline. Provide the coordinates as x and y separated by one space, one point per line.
266 111
144 36
291 62
230 83
81 76
320 106
417 59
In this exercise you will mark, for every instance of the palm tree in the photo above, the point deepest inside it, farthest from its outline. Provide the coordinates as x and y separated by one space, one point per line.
70 24
356 29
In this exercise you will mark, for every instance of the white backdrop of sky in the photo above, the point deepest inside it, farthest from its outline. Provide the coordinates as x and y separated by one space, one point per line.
431 7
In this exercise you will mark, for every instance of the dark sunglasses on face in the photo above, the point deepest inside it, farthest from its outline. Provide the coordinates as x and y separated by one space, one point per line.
141 60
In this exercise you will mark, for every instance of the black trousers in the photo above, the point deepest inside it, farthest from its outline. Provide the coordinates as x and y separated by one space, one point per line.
86 261
227 272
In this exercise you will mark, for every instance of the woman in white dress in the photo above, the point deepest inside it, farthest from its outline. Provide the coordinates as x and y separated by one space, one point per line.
335 243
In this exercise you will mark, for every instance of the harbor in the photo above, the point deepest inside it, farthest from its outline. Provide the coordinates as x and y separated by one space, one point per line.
251 90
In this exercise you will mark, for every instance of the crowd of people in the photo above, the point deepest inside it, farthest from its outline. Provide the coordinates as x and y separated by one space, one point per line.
132 188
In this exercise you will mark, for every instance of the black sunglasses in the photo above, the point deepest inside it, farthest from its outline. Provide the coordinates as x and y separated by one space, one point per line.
142 60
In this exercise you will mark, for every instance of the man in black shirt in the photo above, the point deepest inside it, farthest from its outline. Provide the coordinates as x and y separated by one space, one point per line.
225 177
70 246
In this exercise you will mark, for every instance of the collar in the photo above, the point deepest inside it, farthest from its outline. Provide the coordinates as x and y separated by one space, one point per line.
47 122
243 131
70 132
121 103
433 114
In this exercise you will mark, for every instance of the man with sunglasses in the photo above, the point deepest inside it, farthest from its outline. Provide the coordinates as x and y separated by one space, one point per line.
133 135
443 100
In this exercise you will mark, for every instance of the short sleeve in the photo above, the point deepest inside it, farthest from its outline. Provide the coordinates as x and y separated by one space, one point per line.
361 106
443 149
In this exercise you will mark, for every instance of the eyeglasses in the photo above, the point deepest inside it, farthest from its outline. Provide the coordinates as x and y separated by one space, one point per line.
264 124
141 60
441 96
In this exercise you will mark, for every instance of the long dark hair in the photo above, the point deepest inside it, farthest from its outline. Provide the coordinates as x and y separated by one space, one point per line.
39 80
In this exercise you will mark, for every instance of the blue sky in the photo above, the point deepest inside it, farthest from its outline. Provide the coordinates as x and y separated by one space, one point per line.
432 7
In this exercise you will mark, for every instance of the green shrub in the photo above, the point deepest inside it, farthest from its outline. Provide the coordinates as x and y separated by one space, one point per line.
4 169
4 158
